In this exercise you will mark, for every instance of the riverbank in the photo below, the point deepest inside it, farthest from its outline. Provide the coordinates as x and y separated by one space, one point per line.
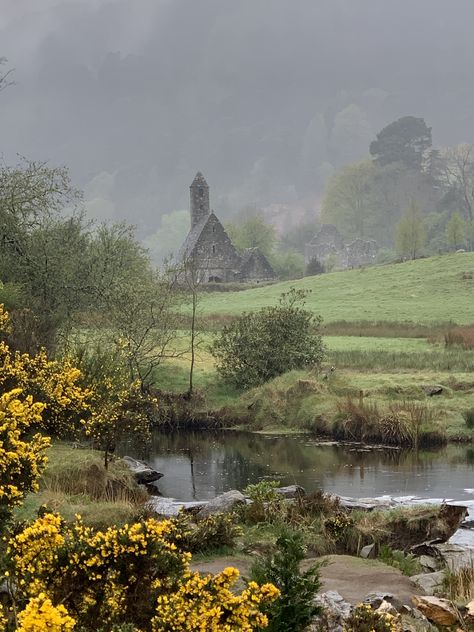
402 408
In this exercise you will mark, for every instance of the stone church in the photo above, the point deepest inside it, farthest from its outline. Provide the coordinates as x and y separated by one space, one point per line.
209 250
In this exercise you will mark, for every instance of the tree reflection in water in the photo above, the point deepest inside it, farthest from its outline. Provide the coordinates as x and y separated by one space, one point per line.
199 465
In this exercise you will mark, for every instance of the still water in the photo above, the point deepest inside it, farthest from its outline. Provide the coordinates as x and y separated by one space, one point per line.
199 465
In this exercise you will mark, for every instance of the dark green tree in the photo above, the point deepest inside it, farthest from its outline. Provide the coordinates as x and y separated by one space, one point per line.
405 140
294 609
262 345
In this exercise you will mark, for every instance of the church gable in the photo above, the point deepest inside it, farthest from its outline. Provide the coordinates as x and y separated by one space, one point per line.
255 266
213 248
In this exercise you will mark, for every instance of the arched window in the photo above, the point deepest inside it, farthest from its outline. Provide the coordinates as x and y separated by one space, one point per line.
201 192
213 249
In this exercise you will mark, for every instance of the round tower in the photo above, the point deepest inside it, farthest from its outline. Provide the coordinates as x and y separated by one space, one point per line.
199 195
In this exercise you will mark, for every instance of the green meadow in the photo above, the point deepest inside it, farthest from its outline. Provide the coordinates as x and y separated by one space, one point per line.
425 291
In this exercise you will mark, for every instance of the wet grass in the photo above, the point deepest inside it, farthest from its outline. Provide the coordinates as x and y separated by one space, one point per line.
423 292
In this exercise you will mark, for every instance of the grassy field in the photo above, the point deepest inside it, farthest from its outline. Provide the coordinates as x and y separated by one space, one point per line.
426 291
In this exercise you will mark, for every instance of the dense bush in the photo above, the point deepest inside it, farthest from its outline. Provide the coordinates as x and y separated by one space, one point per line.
135 574
314 267
294 609
262 345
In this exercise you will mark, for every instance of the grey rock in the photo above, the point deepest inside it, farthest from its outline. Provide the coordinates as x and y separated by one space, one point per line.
222 504
375 600
291 491
433 390
416 623
171 507
335 610
143 473
429 583
428 563
369 551
455 556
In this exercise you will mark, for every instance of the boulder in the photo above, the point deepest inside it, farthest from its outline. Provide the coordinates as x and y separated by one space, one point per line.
455 556
369 551
410 623
433 390
291 491
439 611
143 473
335 611
470 610
428 563
222 504
429 583
376 599
171 507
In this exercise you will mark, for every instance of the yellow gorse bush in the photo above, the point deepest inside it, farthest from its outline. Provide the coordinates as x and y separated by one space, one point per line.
207 603
22 457
132 574
40 616
55 383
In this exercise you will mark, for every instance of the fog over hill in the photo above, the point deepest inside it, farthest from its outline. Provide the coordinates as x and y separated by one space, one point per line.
266 97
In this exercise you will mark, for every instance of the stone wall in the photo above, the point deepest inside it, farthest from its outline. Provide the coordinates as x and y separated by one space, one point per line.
328 247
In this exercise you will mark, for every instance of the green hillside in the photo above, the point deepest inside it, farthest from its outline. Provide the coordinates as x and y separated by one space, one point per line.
434 290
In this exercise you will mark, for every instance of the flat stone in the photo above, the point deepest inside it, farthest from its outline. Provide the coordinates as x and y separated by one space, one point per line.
456 556
291 491
429 583
437 610
222 504
368 552
428 563
143 473
171 507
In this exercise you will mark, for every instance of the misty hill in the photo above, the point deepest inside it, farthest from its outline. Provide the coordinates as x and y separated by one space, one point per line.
267 98
433 290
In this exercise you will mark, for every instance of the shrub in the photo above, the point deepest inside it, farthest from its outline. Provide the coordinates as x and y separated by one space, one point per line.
294 609
408 564
365 619
209 534
262 345
314 267
22 457
135 574
266 505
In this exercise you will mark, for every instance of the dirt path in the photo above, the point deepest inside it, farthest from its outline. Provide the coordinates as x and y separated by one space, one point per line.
352 577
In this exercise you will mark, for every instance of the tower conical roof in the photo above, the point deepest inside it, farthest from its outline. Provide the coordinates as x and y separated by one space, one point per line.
199 179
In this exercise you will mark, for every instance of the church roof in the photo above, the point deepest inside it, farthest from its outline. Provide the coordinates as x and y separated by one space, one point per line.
199 179
193 237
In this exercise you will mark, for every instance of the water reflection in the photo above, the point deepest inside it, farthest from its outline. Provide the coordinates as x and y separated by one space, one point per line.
199 465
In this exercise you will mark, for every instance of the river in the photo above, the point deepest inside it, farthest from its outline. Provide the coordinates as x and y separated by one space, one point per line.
200 465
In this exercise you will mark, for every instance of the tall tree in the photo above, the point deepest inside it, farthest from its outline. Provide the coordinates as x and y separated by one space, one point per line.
348 202
410 234
456 231
459 176
253 232
405 140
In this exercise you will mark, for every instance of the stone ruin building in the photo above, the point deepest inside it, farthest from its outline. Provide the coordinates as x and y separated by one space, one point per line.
329 248
209 251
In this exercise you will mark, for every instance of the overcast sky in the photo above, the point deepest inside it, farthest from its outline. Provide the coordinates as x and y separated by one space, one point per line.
266 97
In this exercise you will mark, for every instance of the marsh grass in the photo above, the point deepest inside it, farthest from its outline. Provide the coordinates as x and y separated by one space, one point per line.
459 585
407 424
